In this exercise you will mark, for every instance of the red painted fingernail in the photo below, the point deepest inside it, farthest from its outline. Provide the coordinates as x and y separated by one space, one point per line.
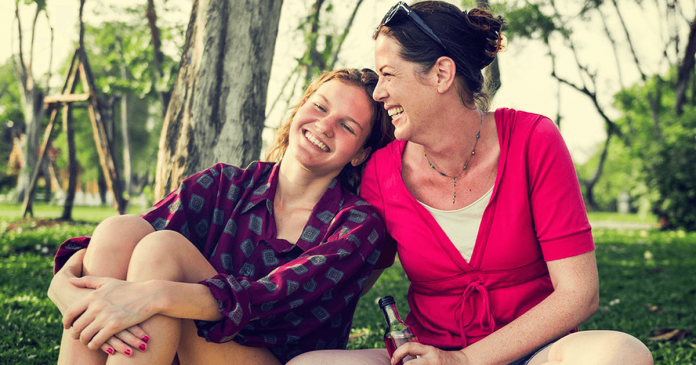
110 351
142 347
146 339
127 352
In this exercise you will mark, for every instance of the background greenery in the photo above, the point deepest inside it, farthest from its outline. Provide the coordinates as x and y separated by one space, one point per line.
646 286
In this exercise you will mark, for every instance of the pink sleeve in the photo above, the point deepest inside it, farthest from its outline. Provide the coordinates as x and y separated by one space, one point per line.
371 191
560 217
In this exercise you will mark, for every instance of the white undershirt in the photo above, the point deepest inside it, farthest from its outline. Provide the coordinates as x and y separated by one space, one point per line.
462 225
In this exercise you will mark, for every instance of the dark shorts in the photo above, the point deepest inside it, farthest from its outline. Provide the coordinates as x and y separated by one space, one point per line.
525 360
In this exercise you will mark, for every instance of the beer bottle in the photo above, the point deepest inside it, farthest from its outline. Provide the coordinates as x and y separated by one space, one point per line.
397 332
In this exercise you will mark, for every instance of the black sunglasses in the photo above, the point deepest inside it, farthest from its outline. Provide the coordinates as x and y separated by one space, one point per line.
402 8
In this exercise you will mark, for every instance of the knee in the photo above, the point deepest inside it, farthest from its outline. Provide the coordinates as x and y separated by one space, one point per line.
630 350
157 256
119 233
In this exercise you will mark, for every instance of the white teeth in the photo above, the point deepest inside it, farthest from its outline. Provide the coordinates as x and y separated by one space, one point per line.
395 111
316 142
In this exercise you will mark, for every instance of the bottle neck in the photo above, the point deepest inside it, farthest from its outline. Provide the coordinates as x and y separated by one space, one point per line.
391 315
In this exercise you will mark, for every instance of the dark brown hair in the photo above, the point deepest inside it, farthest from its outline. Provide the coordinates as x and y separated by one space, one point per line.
471 38
381 133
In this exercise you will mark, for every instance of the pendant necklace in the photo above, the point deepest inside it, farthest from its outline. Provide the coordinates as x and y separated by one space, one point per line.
454 177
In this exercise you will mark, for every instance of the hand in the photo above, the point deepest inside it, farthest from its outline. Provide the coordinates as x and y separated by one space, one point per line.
428 355
127 341
105 313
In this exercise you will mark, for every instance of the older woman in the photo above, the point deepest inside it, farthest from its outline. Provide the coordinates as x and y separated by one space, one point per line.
485 208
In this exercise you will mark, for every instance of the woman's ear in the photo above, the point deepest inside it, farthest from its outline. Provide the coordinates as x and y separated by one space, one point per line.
361 156
446 71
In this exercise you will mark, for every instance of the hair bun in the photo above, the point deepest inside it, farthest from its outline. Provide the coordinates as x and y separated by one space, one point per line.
489 29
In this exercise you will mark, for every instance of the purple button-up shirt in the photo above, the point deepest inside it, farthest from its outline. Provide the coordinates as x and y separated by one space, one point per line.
292 298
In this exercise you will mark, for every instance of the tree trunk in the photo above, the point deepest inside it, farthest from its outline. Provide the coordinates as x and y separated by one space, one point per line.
217 107
72 163
32 105
164 95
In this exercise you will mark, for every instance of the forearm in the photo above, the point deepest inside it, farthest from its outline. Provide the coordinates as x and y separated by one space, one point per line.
61 292
549 320
185 300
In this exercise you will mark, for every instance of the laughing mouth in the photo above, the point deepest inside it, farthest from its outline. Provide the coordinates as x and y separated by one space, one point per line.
316 142
395 112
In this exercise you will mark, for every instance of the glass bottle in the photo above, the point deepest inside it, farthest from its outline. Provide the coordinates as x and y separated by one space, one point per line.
397 332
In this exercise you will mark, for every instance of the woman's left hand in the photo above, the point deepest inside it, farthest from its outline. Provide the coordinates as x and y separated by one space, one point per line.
428 355
112 307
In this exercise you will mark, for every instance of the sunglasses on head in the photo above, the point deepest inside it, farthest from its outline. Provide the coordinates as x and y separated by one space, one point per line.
402 9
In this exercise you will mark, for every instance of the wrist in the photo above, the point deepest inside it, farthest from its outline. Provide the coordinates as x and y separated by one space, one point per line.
161 297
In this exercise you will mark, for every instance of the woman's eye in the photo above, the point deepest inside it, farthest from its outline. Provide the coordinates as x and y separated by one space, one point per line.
348 128
320 107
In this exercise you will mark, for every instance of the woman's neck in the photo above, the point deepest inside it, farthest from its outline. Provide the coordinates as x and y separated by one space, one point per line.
451 139
299 187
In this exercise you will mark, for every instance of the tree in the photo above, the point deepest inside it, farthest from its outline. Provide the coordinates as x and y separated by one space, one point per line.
11 124
217 107
558 28
32 98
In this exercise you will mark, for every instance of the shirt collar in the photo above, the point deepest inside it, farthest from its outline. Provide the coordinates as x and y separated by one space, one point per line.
264 188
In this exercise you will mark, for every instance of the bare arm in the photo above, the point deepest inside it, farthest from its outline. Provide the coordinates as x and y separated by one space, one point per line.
61 292
575 298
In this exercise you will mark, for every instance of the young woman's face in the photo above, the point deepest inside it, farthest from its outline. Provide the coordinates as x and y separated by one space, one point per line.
331 127
404 92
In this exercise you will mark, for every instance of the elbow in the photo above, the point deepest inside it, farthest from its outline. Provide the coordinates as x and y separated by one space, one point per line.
593 304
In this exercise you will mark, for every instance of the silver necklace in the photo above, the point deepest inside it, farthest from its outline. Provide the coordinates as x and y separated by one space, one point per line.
466 164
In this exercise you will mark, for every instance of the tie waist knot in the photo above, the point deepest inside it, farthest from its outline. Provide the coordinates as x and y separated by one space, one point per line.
475 291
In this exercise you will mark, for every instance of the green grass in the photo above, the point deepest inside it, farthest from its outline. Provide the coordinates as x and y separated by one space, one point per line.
646 284
622 218
11 212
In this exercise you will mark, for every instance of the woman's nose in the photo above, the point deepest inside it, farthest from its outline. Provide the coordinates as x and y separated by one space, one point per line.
380 93
326 125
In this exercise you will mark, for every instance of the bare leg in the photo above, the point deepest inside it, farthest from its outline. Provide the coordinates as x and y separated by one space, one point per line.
108 254
595 347
167 255
343 357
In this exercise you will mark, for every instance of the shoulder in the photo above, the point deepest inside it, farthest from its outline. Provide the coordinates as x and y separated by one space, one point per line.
357 210
510 119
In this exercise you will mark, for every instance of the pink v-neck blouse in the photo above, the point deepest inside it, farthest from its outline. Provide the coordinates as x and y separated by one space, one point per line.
536 214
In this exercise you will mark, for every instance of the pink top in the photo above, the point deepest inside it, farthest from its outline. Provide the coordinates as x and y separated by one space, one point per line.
536 214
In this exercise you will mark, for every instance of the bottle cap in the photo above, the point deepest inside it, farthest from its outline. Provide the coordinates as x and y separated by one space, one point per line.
388 300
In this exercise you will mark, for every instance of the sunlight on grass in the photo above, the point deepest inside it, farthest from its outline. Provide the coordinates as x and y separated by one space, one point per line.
646 288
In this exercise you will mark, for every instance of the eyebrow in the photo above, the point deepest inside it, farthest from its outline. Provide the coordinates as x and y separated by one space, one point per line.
346 118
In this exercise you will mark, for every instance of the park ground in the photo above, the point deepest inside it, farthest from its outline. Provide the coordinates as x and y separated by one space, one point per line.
647 285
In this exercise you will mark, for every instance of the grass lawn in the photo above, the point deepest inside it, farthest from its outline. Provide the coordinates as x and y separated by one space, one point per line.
647 288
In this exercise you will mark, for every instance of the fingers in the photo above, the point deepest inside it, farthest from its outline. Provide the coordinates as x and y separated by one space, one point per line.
129 338
73 313
114 345
403 351
90 282
139 333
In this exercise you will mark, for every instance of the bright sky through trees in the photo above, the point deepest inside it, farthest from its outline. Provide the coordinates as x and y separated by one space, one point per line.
525 67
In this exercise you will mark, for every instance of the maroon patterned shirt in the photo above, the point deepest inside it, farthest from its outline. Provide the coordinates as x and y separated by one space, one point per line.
291 298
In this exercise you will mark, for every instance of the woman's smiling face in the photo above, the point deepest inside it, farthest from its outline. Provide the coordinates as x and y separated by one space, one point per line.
330 129
403 90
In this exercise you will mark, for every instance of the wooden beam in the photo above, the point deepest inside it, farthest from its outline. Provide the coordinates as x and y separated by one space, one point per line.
29 196
65 98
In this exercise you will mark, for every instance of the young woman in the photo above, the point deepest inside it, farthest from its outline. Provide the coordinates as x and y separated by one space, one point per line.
238 266
485 208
